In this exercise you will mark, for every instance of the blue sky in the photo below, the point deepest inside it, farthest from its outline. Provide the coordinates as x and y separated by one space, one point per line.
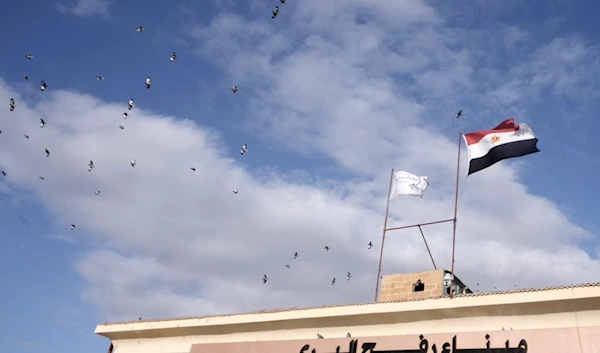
332 95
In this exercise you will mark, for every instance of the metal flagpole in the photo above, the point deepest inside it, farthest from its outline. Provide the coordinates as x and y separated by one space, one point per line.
387 209
455 211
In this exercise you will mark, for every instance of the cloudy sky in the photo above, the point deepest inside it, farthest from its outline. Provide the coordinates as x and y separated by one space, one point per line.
332 95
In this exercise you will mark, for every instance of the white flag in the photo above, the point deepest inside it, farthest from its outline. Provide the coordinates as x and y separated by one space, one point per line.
405 183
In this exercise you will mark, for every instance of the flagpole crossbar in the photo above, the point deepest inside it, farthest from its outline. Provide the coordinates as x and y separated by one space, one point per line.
385 230
421 224
423 235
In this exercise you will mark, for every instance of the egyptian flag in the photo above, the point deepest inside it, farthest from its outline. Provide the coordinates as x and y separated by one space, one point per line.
507 140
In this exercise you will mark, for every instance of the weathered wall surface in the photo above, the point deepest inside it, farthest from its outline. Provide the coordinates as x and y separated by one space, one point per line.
400 286
558 340
560 320
546 332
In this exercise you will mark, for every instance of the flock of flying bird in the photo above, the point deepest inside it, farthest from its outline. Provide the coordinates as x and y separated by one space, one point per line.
130 106
348 275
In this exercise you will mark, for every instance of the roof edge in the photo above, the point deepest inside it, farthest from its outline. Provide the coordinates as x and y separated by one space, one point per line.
310 308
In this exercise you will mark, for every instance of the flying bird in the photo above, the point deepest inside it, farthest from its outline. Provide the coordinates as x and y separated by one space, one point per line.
26 77
193 169
100 78
72 227
348 276
140 29
275 12
295 255
459 114
173 57
41 177
125 115
42 123
11 104
326 248
26 136
43 86
287 266
244 149
47 152
133 163
148 82
235 191
265 278
3 173
90 166
97 192
370 245
130 104
29 56
333 281
121 127
234 89
282 1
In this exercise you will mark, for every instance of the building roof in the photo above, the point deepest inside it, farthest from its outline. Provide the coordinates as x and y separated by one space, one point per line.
311 308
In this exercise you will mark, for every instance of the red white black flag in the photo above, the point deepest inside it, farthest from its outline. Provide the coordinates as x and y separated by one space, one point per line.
507 140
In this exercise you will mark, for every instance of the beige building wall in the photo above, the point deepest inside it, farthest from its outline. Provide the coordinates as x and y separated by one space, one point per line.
400 286
564 341
569 311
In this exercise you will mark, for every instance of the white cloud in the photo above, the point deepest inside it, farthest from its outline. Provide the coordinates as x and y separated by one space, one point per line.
67 238
564 67
86 8
168 241
514 36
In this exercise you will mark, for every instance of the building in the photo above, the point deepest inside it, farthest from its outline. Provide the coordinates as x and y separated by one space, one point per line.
415 314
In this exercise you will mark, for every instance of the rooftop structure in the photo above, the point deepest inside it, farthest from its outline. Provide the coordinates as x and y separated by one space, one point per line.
407 309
